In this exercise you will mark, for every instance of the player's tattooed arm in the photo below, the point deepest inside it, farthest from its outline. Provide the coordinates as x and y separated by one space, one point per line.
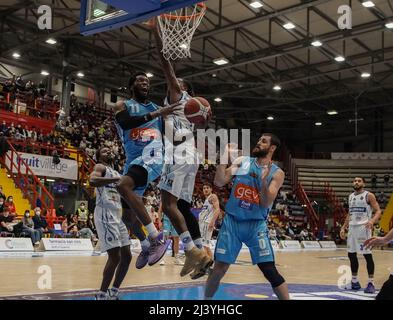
216 209
97 178
269 191
377 210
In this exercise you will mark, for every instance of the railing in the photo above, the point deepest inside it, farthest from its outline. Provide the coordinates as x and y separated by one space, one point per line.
85 163
25 179
25 103
339 212
309 209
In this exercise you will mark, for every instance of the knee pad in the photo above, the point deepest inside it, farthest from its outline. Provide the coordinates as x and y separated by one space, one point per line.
271 273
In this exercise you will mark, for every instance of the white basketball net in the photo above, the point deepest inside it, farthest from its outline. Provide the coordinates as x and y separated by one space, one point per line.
177 29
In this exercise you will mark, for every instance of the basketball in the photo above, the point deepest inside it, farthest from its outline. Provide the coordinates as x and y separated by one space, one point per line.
198 111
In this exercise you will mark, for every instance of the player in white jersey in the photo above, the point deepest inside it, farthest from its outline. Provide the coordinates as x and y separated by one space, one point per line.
112 232
360 223
386 292
180 168
208 216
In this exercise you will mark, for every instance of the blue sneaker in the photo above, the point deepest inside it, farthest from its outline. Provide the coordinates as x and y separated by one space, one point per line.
356 286
370 288
142 259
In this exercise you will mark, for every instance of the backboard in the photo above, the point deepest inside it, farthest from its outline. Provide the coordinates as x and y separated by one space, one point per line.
102 15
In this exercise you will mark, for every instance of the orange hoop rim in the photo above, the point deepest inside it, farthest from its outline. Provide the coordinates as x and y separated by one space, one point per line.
202 7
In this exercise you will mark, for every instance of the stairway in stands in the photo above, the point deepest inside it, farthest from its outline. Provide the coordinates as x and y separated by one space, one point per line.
10 189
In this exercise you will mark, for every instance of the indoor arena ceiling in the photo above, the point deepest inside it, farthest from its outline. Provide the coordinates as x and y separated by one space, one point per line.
262 53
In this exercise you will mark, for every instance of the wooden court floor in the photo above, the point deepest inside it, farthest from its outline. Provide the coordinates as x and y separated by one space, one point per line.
21 275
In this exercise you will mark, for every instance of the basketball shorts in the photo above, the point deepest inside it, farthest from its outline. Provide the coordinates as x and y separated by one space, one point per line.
111 230
153 172
169 229
179 180
357 234
253 233
204 222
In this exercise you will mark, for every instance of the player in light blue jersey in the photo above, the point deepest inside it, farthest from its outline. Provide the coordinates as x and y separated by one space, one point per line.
139 125
256 182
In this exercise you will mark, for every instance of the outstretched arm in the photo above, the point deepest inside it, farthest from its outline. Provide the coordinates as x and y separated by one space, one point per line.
127 122
379 241
224 173
175 91
97 178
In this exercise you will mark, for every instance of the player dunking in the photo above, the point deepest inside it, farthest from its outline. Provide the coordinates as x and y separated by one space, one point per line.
360 224
139 125
256 182
179 172
111 230
208 216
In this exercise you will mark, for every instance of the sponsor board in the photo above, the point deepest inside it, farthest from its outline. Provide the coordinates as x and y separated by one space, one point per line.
275 245
65 244
16 244
290 244
311 245
44 166
328 244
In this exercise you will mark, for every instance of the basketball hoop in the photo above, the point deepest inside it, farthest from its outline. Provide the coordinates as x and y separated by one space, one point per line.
177 29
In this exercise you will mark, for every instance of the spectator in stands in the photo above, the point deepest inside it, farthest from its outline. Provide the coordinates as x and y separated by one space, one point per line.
60 212
304 235
386 179
90 223
3 144
82 212
381 197
6 220
273 234
11 205
2 205
2 194
374 180
40 223
28 228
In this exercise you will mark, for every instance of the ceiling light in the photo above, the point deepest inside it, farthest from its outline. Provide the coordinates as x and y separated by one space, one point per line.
214 75
365 75
389 25
149 75
51 41
217 99
368 4
332 112
184 46
318 123
80 74
289 26
270 118
256 4
220 61
277 87
316 43
45 73
339 58
98 13
16 55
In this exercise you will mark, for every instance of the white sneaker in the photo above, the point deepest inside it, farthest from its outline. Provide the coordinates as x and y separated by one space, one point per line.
179 262
162 263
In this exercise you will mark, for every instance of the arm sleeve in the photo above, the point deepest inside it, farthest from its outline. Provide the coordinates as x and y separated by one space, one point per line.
127 122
